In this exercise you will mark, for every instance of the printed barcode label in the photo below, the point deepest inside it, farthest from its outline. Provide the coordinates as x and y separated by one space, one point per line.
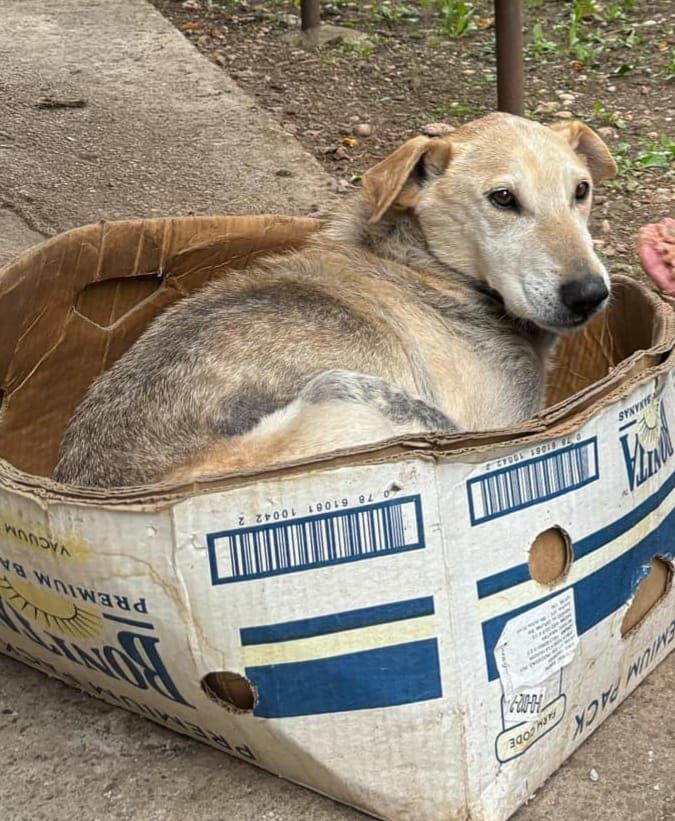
533 481
316 541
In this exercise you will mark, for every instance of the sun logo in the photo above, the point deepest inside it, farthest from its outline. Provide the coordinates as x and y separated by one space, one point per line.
50 610
648 426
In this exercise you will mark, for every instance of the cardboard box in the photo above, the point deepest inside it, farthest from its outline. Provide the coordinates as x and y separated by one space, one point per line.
425 628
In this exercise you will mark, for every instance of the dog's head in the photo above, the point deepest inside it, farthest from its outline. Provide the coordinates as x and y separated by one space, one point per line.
506 201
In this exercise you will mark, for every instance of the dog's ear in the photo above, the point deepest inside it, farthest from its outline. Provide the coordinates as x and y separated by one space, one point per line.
400 177
586 142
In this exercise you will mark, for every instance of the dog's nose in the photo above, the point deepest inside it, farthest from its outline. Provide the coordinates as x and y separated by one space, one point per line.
582 296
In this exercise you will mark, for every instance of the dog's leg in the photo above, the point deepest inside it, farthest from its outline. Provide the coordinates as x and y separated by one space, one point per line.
334 411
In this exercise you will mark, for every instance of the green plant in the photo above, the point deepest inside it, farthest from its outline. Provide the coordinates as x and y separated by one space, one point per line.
622 156
584 9
392 12
579 45
601 116
457 17
617 11
539 45
360 49
670 68
659 154
461 110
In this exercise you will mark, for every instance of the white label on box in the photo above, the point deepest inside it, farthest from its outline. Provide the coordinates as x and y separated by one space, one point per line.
525 705
536 644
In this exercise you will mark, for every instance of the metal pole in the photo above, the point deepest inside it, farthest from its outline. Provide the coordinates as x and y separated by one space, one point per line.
310 14
509 36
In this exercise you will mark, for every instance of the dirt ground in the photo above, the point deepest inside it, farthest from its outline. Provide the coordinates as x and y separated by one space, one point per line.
611 65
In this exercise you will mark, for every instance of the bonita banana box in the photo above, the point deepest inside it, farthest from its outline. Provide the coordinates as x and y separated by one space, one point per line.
426 628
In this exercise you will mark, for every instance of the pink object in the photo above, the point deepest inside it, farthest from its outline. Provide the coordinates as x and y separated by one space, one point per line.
656 248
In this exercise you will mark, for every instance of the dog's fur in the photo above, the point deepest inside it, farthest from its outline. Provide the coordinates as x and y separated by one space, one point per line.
420 306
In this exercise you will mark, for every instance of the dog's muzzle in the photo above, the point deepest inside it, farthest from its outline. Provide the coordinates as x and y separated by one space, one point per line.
584 296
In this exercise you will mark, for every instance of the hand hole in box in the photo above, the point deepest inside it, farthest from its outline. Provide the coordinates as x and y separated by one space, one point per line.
109 301
551 556
650 591
231 690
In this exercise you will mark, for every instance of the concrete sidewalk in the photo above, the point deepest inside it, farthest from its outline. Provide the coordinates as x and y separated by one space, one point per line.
163 131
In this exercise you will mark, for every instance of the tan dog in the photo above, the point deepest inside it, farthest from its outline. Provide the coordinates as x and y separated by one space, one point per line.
433 300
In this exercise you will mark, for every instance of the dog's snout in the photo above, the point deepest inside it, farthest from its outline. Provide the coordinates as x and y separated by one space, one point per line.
583 296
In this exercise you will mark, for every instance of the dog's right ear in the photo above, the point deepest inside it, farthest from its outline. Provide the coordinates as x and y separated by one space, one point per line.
399 179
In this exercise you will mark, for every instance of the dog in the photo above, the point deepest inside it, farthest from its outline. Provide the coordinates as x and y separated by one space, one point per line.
432 301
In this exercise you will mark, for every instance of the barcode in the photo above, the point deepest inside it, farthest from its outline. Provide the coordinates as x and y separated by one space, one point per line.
533 481
316 541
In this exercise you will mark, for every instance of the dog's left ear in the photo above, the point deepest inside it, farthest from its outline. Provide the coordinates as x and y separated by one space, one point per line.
399 179
586 142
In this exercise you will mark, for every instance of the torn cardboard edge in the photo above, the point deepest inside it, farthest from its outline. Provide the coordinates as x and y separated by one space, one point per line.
53 284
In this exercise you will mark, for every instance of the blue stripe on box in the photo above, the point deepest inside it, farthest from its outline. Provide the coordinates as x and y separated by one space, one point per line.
599 594
384 677
337 622
518 574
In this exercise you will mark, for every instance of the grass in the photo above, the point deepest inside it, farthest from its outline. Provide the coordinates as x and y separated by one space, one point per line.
456 17
632 161
391 13
659 154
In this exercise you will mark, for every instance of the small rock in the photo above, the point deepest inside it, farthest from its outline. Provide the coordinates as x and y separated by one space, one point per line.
437 129
363 129
605 227
609 251
283 172
342 186
191 5
611 88
546 107
564 115
324 34
607 132
291 20
341 153
593 775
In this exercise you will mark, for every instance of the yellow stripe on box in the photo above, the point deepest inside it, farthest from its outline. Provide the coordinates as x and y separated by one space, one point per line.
339 644
530 591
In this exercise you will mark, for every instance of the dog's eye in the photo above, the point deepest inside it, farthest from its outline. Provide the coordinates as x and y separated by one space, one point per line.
581 191
503 198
